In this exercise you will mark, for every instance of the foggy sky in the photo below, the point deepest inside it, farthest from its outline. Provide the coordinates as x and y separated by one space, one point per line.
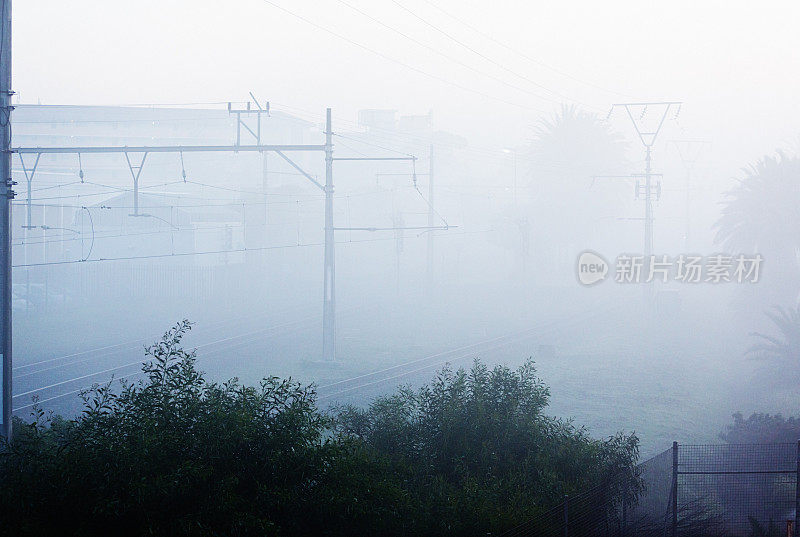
735 64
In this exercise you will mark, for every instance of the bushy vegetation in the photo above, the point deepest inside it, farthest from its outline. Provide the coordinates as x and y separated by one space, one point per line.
175 454
761 428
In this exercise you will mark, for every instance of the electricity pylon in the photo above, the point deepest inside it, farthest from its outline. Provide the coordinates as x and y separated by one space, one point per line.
689 151
648 139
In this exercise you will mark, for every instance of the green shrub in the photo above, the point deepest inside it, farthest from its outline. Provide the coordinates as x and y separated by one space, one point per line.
177 455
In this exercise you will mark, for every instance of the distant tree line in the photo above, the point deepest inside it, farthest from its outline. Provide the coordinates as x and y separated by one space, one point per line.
469 454
760 428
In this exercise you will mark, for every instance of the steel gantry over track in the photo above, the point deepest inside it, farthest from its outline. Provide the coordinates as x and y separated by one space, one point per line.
33 155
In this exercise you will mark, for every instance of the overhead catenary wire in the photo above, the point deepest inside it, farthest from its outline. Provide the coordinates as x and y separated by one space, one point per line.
451 58
212 252
470 151
399 62
508 47
487 58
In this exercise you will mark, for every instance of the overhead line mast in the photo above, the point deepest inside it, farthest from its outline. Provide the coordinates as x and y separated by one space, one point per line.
6 195
648 139
329 265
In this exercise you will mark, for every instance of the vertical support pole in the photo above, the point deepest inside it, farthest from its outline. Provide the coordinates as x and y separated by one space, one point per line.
29 179
265 182
429 272
648 227
238 129
688 208
648 209
62 225
515 177
25 230
329 298
136 171
797 490
29 205
44 259
566 515
674 531
136 195
6 195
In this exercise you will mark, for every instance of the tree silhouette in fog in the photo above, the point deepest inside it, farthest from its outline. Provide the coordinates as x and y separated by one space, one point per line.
574 145
761 216
570 211
783 348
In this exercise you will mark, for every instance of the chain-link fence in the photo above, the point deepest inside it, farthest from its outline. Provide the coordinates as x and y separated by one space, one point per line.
737 490
590 513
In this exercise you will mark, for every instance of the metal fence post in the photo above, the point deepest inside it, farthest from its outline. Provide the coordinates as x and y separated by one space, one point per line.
566 515
797 490
674 489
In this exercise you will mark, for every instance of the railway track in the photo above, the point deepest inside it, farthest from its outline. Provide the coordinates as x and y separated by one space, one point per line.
209 348
329 393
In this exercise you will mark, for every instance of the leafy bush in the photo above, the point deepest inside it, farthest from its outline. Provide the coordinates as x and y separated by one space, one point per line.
477 452
178 455
761 429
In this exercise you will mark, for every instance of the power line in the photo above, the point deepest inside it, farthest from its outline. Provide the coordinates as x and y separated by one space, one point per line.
399 62
371 144
473 152
231 251
521 54
446 56
487 58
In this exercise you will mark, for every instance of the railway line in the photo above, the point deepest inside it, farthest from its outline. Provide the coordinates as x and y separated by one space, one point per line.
369 382
45 379
48 382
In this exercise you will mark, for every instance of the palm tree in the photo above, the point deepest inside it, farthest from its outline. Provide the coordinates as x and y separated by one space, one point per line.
762 215
785 347
568 211
574 145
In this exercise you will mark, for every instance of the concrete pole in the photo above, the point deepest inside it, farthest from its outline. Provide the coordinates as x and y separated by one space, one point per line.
429 273
6 196
797 492
688 208
265 183
329 298
648 209
674 528
648 226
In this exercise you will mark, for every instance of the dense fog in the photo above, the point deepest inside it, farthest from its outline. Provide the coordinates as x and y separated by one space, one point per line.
492 146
